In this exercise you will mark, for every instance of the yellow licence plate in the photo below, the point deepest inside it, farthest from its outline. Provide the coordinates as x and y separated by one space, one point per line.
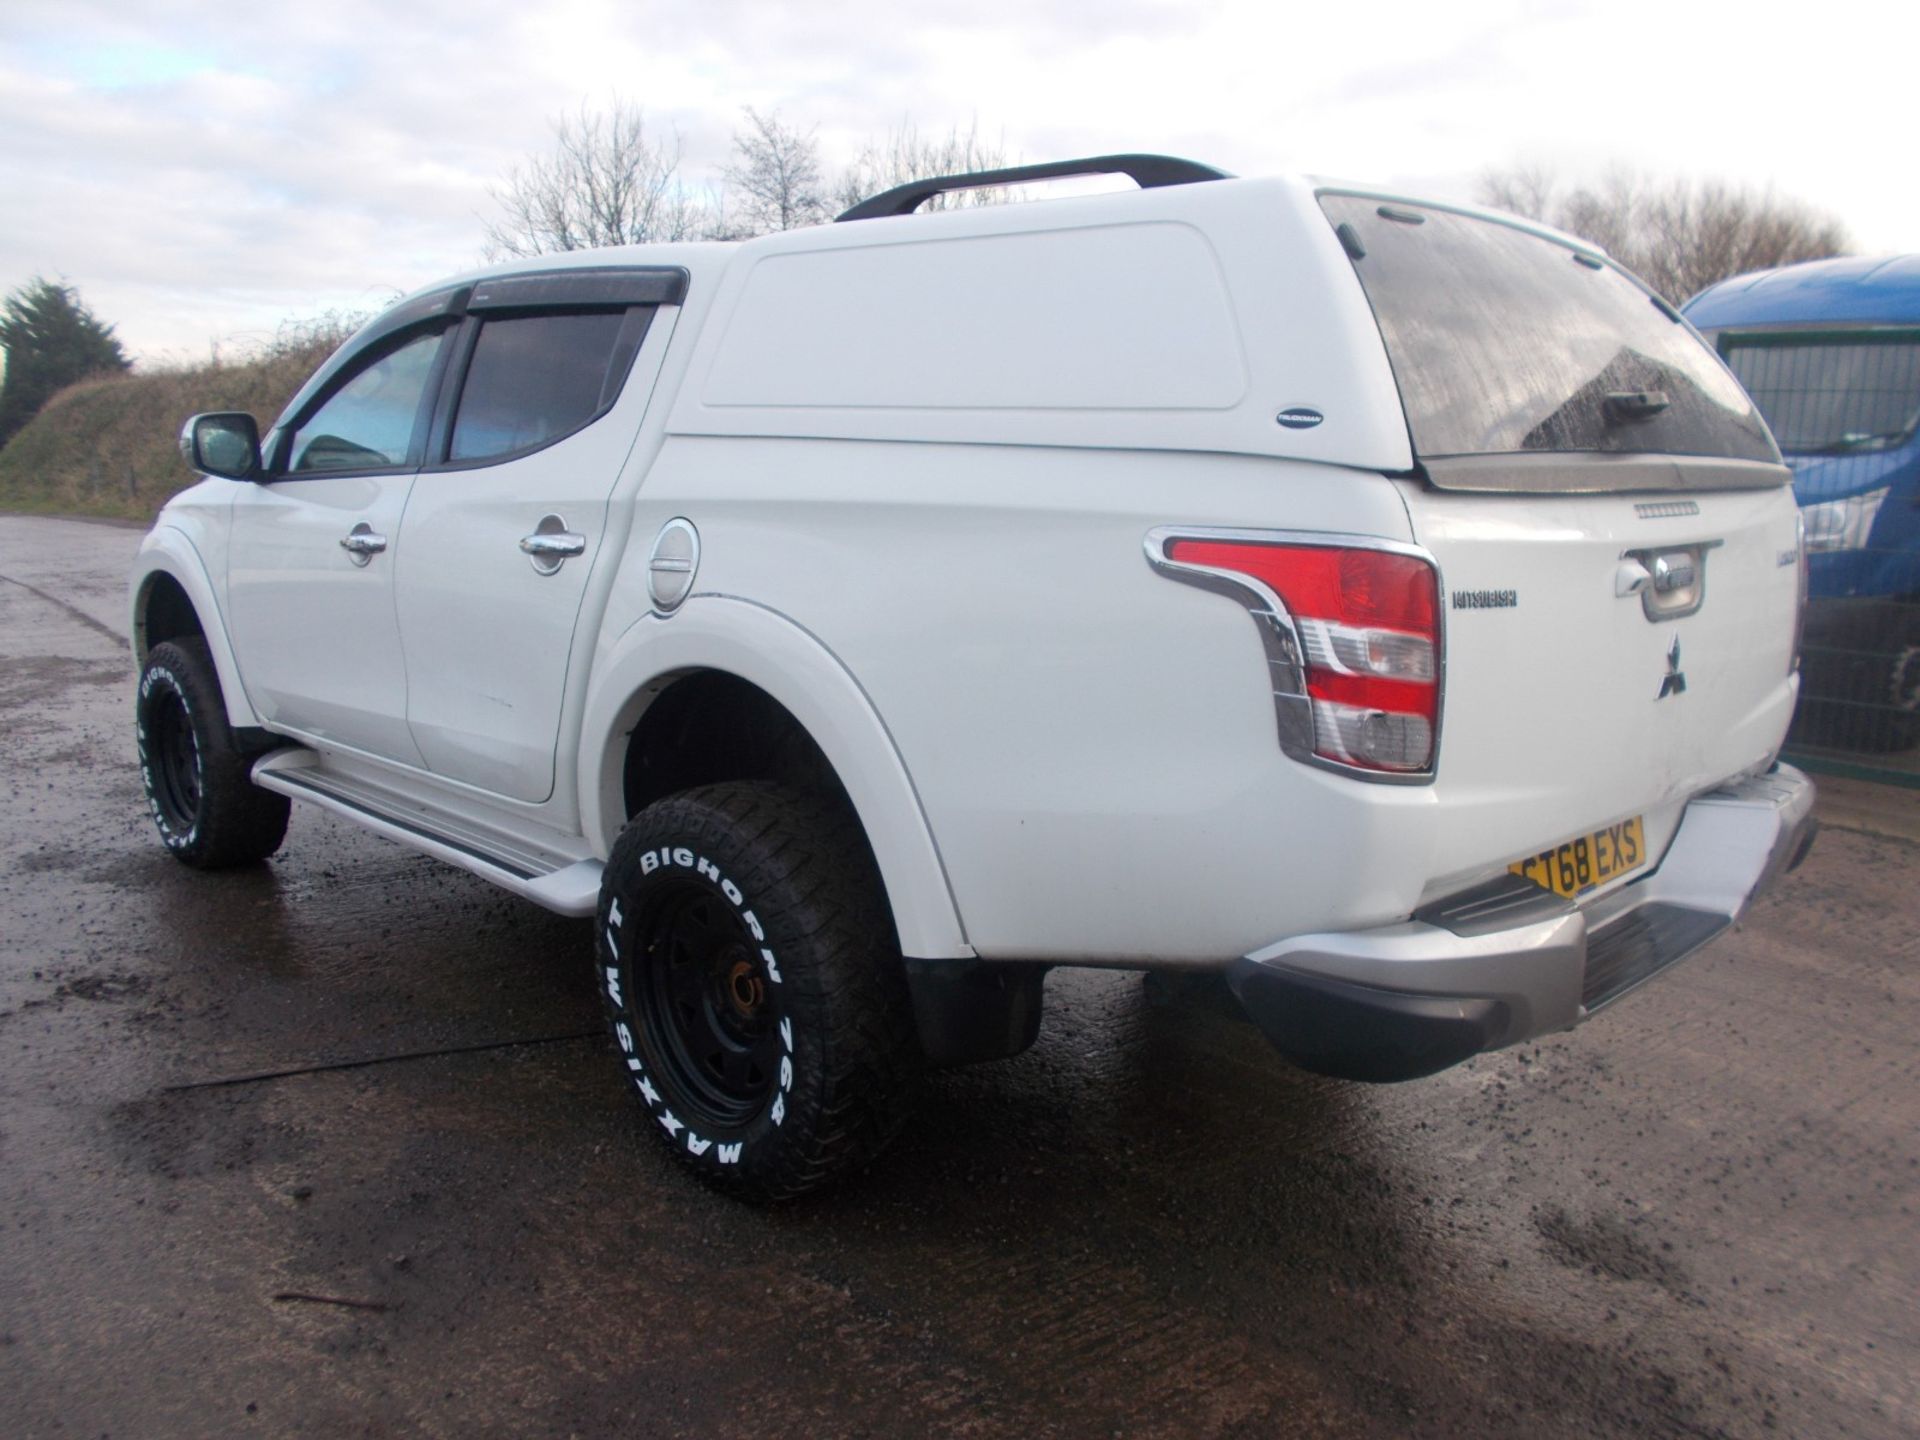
1577 866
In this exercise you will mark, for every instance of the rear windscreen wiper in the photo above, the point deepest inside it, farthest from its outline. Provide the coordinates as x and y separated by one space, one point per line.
1626 406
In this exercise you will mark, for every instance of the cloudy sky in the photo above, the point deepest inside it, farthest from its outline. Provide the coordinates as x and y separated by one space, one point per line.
203 171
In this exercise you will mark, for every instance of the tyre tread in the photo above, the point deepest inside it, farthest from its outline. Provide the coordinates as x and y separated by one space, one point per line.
809 846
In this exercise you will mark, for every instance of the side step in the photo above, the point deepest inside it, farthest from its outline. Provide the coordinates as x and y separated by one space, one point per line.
1630 951
567 888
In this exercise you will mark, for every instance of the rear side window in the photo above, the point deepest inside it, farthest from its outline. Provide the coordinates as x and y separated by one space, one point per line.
534 379
1831 394
1504 341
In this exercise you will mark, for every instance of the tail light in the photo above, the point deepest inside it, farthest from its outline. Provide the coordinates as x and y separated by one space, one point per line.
1352 629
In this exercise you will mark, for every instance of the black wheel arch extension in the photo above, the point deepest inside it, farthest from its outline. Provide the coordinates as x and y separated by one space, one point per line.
165 612
709 727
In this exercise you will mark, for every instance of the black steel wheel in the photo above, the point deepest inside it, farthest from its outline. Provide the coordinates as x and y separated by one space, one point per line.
709 1014
754 987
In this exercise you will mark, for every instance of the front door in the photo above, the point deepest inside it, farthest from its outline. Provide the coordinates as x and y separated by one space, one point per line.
310 582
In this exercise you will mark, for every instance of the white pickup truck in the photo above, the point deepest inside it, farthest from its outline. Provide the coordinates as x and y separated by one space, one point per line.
1387 605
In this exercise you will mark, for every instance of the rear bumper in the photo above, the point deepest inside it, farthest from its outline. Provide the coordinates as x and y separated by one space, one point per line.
1510 961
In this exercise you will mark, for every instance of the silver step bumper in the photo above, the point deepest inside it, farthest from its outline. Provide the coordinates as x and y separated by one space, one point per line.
1510 961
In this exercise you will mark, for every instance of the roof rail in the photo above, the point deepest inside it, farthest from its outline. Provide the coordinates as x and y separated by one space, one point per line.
1146 171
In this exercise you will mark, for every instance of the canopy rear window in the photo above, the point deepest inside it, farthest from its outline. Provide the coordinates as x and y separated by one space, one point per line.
1503 341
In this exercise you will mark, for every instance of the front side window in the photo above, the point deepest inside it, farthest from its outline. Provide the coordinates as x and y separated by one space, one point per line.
534 379
1831 394
1503 341
369 422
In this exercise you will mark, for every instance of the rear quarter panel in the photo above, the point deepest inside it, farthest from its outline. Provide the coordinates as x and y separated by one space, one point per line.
1094 745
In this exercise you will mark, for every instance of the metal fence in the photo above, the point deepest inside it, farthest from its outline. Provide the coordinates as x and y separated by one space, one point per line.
1844 403
1859 709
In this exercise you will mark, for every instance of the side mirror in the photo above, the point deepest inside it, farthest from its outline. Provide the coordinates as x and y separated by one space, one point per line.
224 443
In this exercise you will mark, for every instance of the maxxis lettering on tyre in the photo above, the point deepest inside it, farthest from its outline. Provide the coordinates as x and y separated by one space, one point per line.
159 677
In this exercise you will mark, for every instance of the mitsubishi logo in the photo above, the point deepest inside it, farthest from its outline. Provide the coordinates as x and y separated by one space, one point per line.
1673 682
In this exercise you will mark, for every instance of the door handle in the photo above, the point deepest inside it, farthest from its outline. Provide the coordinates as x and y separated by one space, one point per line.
551 545
565 545
361 544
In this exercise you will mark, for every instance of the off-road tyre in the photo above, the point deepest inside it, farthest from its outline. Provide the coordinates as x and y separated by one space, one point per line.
195 774
748 967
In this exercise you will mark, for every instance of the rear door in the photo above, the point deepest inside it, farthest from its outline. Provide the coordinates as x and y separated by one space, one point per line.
1615 532
506 522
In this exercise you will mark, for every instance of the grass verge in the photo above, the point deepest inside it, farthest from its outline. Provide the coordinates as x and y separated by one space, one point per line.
109 447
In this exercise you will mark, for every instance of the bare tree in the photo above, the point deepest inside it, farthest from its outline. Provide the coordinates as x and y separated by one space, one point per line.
904 154
776 171
1679 236
1522 189
606 181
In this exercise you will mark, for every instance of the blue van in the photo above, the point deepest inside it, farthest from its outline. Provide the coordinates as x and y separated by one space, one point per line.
1830 352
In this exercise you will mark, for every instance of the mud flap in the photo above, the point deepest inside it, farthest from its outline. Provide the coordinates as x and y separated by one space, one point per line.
968 1011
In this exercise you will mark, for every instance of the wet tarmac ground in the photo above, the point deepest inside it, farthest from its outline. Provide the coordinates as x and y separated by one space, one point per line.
333 1147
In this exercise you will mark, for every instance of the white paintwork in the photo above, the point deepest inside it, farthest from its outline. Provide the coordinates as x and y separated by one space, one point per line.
1174 346
1099 306
315 634
1081 732
1550 706
175 548
922 455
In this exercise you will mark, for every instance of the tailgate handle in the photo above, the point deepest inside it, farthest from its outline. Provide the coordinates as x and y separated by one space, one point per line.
1673 572
1669 579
